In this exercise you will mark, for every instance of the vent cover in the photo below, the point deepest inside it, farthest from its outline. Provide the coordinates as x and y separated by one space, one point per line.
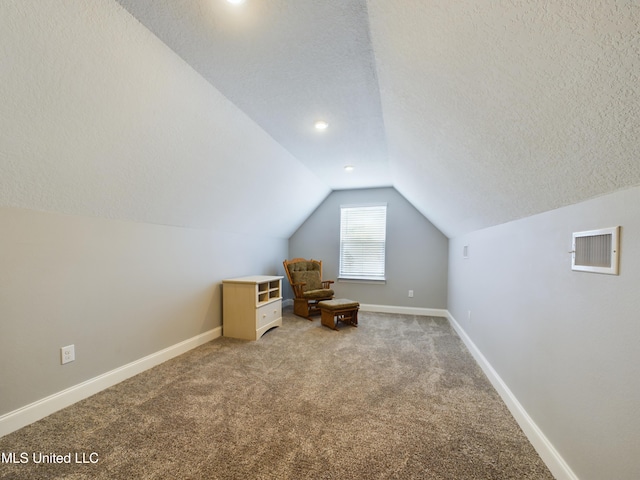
596 251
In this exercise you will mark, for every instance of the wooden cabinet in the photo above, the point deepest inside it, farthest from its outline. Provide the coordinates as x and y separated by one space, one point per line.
251 306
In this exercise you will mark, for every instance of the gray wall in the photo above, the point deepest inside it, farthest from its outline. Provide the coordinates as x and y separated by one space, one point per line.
118 290
416 256
565 342
102 121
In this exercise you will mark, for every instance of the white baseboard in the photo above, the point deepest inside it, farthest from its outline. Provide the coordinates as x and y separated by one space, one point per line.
428 312
549 455
368 307
35 411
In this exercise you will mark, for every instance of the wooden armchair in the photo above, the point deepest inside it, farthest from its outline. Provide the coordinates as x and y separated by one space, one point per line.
305 277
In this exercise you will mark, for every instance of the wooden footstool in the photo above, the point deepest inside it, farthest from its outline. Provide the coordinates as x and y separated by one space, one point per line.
338 309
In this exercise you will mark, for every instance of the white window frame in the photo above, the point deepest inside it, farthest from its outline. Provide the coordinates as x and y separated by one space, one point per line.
367 264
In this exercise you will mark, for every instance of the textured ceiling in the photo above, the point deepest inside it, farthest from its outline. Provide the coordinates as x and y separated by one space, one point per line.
499 110
192 112
99 118
492 110
288 63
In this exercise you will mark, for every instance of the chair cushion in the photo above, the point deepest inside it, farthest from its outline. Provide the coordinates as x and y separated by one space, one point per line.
320 293
303 266
310 277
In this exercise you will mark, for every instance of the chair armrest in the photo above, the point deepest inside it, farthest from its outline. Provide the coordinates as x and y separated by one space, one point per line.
298 288
327 283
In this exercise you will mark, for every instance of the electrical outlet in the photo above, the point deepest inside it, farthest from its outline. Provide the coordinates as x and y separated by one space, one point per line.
410 293
67 354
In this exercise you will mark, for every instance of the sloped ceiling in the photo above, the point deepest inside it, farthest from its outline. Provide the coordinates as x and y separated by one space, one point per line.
477 112
288 63
99 118
500 110
196 112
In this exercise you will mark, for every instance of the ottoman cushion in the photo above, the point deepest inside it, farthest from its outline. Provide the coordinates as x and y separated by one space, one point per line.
338 304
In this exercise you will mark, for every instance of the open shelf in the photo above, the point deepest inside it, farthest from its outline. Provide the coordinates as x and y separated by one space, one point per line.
269 290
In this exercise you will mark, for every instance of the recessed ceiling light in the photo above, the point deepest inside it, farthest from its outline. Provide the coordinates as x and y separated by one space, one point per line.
321 125
348 168
236 2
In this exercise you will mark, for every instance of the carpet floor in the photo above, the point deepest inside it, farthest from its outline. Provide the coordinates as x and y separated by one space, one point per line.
397 397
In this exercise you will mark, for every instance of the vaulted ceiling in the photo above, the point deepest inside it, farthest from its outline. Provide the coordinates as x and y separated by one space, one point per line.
478 112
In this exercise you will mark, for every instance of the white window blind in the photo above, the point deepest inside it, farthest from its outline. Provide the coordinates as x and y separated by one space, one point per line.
362 241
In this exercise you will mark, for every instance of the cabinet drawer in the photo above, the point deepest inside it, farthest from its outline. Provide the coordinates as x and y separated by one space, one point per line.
268 313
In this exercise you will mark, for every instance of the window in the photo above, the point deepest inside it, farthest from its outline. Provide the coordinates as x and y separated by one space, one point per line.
362 241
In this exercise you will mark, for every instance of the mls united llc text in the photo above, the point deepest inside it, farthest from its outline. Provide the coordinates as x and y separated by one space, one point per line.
40 457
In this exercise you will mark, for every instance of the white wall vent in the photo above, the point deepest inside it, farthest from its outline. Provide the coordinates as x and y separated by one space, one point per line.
596 251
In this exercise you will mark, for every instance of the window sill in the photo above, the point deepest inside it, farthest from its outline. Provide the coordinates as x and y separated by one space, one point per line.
362 280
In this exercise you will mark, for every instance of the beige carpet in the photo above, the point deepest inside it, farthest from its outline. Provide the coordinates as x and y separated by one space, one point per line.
396 397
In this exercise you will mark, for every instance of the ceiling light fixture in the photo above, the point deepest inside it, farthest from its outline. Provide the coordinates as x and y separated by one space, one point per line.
348 168
236 2
321 125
